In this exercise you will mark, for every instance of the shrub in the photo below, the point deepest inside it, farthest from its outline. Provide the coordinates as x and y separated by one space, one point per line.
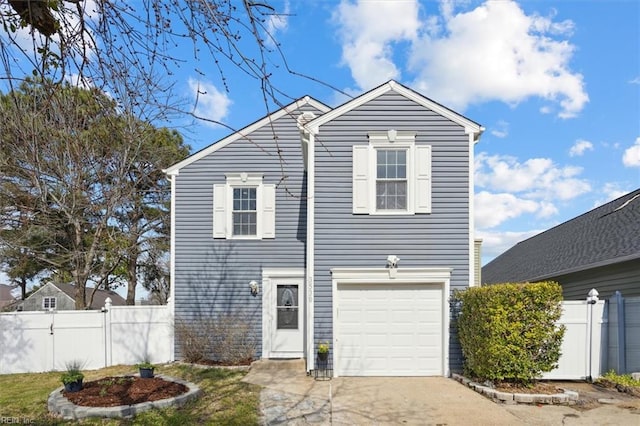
193 338
509 332
619 379
227 339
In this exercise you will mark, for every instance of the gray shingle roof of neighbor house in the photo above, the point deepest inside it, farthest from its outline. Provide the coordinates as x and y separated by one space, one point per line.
605 235
98 299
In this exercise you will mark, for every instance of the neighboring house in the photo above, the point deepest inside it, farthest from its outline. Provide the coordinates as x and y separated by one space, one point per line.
295 224
61 297
599 249
6 296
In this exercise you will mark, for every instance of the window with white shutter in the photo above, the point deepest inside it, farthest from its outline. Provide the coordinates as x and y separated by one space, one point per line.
391 175
244 207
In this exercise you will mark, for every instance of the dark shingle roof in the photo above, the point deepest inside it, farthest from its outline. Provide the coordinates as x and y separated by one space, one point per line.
98 299
602 236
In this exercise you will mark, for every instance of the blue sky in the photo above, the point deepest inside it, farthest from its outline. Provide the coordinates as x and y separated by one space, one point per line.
556 84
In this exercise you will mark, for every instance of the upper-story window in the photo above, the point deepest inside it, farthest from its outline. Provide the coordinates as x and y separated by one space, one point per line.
245 213
48 302
244 207
391 179
391 175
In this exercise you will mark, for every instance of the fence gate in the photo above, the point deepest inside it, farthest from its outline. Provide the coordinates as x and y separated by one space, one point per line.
46 341
583 339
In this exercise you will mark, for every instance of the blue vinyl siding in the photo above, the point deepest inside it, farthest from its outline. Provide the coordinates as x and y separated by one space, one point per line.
212 275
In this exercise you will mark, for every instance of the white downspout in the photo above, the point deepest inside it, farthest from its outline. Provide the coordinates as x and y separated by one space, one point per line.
172 263
310 263
474 137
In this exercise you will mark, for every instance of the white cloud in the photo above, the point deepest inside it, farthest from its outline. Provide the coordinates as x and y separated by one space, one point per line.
493 52
495 243
631 156
277 22
635 80
368 31
493 209
536 178
497 52
580 147
209 102
610 191
501 129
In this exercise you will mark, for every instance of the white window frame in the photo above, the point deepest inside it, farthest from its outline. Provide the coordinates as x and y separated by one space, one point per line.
49 299
233 210
365 173
223 206
408 149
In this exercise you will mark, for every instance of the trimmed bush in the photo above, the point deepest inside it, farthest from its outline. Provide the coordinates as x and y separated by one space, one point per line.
509 332
227 339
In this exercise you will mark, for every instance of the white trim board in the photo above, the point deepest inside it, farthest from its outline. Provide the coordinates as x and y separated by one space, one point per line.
243 133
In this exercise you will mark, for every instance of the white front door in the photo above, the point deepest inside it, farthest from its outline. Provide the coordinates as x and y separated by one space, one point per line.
283 315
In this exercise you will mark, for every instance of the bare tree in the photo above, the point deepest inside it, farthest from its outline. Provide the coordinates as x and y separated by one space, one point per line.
97 42
67 176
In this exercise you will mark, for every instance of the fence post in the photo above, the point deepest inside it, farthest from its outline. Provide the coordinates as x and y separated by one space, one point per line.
622 344
172 327
592 299
106 310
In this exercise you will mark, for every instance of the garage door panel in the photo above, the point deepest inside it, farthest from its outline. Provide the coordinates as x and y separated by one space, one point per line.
389 330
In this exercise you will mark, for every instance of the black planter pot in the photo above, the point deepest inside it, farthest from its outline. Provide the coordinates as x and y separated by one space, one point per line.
73 386
323 356
146 373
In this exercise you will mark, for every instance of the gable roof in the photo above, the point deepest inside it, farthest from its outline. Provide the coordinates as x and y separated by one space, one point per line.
603 236
241 134
98 299
471 127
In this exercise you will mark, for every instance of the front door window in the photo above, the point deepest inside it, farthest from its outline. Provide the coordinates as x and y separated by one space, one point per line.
287 306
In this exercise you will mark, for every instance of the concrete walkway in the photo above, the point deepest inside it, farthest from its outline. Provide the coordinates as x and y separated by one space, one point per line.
290 397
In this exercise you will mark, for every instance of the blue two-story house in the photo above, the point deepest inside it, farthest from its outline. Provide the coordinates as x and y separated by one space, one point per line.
349 225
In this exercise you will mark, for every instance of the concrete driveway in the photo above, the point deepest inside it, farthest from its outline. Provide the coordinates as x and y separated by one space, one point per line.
290 397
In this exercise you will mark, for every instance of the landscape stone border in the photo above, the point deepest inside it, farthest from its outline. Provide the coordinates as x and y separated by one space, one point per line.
58 404
566 398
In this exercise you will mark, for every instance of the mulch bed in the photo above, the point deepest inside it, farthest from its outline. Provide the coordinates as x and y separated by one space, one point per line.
124 390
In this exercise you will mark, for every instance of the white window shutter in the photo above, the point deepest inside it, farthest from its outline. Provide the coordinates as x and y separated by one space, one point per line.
269 211
219 213
361 178
423 179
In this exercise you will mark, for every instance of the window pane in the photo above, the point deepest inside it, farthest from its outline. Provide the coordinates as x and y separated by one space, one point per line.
236 199
287 307
244 223
401 171
402 157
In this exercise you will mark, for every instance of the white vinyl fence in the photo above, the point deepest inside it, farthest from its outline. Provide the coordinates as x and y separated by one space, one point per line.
48 341
584 343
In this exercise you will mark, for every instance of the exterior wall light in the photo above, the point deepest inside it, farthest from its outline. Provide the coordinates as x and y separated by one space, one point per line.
255 289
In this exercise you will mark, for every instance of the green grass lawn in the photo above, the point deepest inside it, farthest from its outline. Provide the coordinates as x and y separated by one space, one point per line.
225 399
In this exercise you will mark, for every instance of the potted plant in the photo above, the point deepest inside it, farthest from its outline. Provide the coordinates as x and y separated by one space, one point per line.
72 378
323 351
146 369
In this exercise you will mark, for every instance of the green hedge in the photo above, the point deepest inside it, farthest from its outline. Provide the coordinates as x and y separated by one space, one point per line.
508 332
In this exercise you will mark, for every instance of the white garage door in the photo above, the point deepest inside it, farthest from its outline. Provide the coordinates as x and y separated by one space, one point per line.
389 330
